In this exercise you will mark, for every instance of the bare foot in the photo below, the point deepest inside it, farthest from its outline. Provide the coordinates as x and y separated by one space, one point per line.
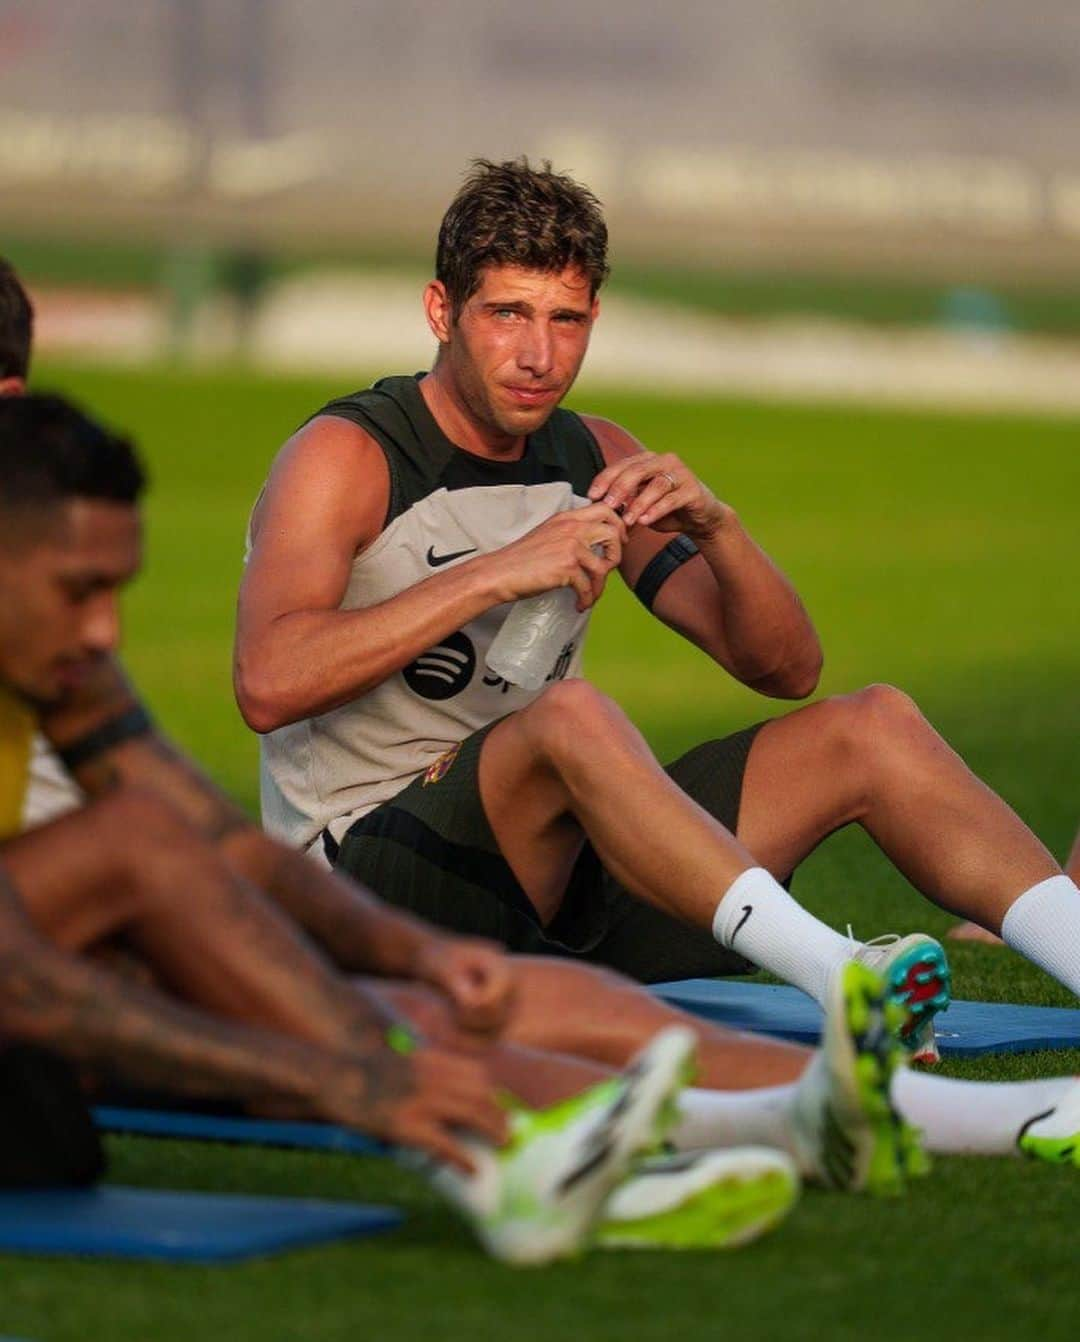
973 932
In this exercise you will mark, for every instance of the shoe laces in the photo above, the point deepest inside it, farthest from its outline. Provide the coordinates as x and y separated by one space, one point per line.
878 943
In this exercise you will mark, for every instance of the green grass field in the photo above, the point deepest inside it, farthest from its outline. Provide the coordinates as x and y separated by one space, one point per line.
875 297
935 552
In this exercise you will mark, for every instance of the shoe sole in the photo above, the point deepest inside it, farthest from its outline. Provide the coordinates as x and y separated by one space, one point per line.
732 1210
920 981
871 1017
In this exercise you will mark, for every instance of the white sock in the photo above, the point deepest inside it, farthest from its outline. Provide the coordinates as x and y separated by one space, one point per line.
975 1118
1044 924
759 919
710 1118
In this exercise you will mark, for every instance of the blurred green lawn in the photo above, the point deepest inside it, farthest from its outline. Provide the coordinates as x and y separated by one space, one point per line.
937 552
1051 307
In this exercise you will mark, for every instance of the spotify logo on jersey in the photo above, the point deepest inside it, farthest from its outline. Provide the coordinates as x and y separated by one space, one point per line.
444 670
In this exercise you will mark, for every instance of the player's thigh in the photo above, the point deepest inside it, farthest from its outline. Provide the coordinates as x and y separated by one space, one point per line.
81 878
68 875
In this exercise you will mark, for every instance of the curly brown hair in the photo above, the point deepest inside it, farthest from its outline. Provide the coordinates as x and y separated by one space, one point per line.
511 213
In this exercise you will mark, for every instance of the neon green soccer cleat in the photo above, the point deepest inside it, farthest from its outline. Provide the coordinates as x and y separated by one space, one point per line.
1055 1135
847 1132
538 1198
700 1200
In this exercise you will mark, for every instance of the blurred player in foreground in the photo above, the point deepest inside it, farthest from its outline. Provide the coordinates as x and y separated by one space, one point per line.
209 987
51 791
396 527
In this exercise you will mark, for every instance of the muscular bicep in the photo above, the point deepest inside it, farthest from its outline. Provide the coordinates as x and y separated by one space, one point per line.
325 500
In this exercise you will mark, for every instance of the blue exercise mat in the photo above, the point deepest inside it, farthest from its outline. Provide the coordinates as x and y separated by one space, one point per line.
119 1222
966 1030
246 1131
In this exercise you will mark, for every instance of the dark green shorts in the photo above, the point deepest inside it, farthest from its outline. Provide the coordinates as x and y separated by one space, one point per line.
431 850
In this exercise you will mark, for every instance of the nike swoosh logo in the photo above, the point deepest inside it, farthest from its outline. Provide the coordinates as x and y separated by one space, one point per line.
435 560
748 909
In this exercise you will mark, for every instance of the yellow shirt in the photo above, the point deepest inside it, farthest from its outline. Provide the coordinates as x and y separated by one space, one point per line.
17 727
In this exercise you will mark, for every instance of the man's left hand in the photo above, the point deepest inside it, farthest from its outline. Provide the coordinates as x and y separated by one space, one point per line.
477 976
660 491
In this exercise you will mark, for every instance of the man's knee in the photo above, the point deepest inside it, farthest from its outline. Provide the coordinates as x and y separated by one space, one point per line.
569 717
873 727
882 713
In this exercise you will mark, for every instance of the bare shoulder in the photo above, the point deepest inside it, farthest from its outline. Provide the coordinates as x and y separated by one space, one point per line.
330 472
614 441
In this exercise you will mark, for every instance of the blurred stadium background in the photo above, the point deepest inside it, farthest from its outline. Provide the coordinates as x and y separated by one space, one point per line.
909 174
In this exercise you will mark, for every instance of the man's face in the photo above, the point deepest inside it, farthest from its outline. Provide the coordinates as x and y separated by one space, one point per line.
61 572
517 344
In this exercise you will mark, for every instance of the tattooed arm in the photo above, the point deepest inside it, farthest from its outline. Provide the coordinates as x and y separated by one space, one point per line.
148 1041
143 1038
361 933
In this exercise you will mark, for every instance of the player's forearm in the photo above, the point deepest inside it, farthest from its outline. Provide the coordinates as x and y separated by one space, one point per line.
768 638
360 932
144 1040
311 661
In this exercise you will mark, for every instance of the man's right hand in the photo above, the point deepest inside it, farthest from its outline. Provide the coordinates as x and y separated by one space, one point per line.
560 553
425 1099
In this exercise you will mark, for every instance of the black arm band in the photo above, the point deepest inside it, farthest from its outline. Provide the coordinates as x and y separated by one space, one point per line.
660 568
131 723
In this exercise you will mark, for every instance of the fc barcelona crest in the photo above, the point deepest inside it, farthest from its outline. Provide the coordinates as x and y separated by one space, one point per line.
441 766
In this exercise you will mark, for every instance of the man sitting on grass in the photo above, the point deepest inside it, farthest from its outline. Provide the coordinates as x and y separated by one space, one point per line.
394 532
50 791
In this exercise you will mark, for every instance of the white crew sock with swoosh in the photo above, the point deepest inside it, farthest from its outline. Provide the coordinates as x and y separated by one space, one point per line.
975 1118
759 919
1044 924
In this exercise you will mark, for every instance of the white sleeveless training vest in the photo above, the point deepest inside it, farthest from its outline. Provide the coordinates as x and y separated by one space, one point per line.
446 505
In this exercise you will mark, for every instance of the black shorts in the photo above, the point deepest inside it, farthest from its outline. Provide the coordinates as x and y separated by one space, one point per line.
430 850
47 1135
